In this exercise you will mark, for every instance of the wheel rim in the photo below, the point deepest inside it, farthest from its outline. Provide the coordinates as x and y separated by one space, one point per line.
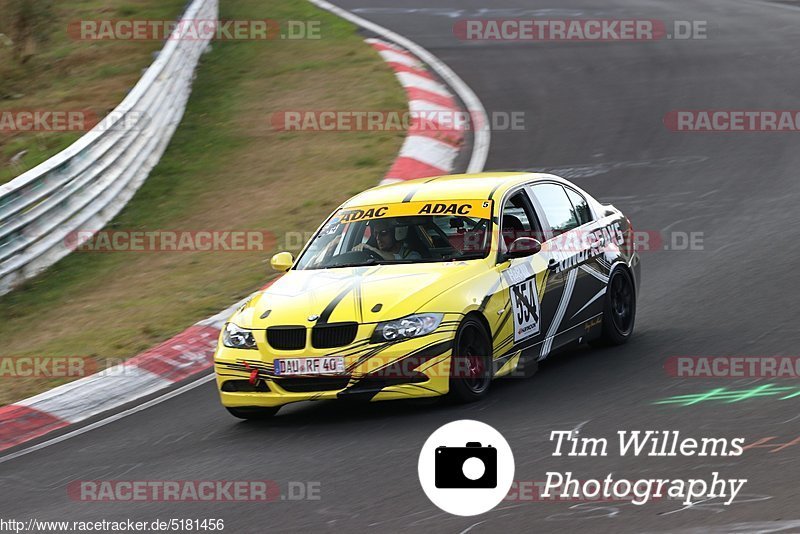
472 350
622 304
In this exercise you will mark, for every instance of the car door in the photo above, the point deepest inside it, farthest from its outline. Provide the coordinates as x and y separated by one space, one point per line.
531 290
570 252
593 267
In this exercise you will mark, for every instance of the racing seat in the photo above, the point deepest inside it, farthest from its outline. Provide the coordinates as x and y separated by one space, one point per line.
413 240
512 228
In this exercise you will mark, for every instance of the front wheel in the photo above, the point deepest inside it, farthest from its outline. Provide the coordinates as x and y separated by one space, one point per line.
254 413
619 311
471 371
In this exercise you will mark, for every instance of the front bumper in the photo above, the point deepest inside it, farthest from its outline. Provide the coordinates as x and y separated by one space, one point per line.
418 367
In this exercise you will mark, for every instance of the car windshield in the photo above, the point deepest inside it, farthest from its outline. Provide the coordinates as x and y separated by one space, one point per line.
413 232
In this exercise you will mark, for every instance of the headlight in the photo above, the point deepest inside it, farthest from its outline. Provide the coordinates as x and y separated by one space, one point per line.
407 327
238 338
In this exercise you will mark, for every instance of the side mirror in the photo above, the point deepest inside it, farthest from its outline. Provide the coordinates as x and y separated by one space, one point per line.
522 247
282 261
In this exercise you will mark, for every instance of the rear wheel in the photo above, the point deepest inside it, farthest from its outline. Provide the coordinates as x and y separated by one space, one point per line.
619 312
253 413
471 371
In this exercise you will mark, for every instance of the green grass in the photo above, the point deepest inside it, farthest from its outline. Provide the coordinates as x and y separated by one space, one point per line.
58 72
224 169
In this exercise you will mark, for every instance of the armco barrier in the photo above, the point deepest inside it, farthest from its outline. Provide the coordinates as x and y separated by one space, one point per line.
87 184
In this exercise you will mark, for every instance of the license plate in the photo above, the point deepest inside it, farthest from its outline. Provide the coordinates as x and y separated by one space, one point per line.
309 366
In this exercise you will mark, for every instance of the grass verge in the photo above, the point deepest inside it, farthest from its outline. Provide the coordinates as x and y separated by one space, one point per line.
45 68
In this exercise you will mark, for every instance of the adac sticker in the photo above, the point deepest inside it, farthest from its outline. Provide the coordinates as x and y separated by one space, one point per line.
480 209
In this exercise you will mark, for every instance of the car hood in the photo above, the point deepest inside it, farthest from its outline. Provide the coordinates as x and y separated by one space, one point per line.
362 294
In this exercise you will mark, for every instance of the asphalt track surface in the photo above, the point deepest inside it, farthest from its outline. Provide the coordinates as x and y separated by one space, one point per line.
594 109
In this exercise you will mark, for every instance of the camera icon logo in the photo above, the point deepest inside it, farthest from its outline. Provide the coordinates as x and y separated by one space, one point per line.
472 466
464 476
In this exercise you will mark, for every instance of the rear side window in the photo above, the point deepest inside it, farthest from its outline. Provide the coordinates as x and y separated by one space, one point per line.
557 207
582 210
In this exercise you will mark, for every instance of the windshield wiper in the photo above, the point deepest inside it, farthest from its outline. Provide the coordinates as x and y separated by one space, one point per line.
373 261
367 263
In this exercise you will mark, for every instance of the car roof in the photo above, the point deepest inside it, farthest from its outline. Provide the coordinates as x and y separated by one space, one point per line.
480 186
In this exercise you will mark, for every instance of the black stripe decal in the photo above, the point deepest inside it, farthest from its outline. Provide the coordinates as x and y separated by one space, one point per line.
490 294
371 389
328 311
491 194
503 322
411 194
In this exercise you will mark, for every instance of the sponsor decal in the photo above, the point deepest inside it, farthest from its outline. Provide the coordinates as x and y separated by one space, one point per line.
592 323
358 214
587 244
518 273
481 209
525 302
444 209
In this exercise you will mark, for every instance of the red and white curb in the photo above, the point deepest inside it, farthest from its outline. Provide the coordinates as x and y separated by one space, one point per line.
425 152
431 146
408 58
185 355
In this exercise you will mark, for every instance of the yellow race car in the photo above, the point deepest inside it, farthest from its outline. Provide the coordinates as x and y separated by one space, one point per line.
432 287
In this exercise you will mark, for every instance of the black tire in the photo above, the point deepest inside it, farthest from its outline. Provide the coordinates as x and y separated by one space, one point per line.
254 413
471 369
619 311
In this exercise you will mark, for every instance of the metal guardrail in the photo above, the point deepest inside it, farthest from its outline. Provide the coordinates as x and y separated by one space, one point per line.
87 184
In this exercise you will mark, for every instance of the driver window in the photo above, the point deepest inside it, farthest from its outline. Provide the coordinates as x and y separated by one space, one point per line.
518 220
